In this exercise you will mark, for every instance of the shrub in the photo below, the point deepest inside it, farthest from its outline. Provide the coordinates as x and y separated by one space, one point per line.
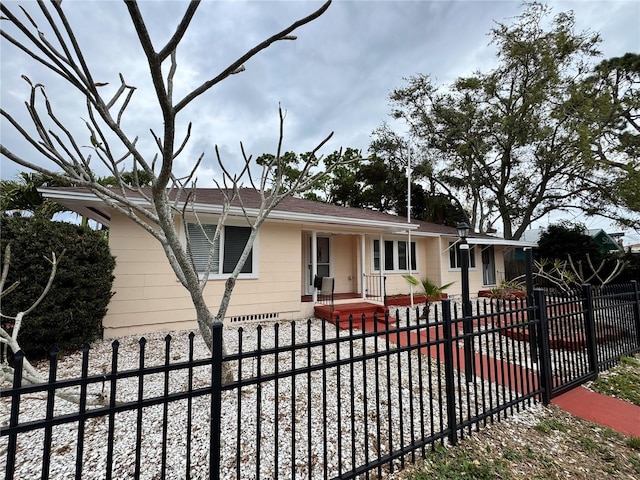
71 314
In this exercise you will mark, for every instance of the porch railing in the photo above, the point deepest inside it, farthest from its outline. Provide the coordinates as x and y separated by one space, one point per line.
375 287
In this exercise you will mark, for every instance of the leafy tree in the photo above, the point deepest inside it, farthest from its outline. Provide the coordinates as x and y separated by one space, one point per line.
632 269
131 179
71 313
561 240
22 195
45 36
375 182
386 177
607 104
506 140
339 186
566 251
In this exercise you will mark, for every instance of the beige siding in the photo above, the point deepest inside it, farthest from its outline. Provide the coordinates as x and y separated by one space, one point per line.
148 296
475 274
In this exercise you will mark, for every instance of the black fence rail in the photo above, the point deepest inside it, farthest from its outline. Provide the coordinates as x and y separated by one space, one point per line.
589 330
616 319
304 399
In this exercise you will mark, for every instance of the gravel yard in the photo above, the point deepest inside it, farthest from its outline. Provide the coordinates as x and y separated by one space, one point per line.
282 417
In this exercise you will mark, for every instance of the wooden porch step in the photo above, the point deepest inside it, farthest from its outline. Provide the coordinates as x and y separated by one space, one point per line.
341 313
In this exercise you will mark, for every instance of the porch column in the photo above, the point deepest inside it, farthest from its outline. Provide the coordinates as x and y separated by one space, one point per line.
363 245
382 262
314 263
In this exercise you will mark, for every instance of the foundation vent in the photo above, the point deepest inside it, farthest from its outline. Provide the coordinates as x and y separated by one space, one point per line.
256 317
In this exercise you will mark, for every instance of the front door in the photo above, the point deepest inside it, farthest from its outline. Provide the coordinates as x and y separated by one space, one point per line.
323 258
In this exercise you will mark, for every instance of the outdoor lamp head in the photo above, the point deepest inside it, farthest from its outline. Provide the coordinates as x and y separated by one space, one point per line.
463 229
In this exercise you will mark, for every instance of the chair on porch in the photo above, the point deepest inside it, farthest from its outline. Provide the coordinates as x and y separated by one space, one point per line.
325 287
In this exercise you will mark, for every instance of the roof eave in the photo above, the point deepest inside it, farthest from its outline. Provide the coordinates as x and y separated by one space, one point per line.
77 201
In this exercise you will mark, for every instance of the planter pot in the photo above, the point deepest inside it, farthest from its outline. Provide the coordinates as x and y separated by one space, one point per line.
502 294
405 300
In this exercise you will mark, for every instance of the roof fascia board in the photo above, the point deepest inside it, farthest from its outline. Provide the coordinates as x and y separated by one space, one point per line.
500 241
308 217
237 211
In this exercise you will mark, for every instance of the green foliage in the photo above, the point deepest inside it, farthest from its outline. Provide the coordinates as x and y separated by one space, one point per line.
508 289
22 195
136 178
622 381
548 425
377 182
454 464
558 241
566 251
634 442
429 288
72 312
607 109
517 141
632 269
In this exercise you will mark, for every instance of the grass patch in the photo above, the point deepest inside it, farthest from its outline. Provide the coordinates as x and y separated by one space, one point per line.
548 425
453 464
634 442
622 381
589 444
634 362
511 455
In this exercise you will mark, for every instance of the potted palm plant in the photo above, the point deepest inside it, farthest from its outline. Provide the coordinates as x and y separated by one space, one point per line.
430 289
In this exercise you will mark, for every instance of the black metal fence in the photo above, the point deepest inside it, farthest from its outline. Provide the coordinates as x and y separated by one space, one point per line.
304 400
589 330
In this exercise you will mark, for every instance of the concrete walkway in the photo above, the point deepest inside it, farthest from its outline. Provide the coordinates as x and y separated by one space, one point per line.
619 415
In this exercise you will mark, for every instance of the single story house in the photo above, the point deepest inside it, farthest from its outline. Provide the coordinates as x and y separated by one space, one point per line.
299 240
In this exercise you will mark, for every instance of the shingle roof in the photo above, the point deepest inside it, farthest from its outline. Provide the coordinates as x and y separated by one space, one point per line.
251 199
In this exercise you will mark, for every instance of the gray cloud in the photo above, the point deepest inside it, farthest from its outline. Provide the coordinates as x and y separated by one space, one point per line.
335 77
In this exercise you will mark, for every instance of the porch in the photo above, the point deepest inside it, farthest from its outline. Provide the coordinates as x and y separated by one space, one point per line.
345 305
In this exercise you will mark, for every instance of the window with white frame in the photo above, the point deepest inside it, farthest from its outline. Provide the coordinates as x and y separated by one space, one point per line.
233 240
454 256
395 255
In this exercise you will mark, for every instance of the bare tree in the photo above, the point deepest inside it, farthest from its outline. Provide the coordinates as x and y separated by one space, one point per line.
170 197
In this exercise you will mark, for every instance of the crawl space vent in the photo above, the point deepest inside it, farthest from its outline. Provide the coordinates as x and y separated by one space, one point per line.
256 317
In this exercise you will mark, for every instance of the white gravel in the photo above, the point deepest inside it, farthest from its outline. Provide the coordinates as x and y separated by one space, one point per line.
319 415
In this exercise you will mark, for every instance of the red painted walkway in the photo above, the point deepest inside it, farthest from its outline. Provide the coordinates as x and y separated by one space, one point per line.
621 416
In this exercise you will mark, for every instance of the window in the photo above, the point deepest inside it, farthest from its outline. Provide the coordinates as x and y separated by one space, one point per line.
233 239
395 255
454 256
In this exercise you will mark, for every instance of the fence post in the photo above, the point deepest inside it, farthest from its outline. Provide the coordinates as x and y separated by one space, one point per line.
18 360
636 309
449 376
589 327
544 373
533 340
216 402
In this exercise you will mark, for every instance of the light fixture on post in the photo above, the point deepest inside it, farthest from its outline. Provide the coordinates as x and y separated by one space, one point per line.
467 323
463 230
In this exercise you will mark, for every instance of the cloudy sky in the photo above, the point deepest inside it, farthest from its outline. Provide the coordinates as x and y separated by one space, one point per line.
335 77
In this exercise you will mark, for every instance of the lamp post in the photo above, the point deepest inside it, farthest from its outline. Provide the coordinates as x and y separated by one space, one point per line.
467 323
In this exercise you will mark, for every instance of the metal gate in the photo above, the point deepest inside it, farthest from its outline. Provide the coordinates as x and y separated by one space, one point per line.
584 331
567 343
